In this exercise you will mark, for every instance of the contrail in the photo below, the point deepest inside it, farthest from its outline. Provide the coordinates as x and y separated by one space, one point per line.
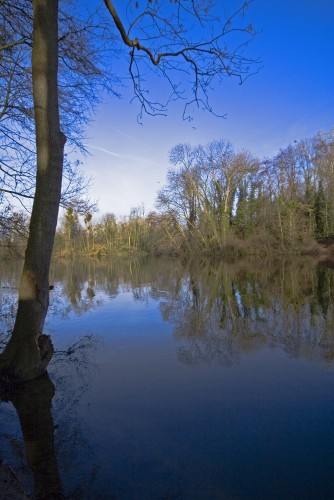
134 139
111 153
127 135
120 156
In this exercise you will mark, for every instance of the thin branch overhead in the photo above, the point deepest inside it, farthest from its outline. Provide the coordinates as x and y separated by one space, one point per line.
191 45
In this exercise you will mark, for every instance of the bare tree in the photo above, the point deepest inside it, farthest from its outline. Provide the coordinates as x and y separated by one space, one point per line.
81 81
28 352
161 39
203 190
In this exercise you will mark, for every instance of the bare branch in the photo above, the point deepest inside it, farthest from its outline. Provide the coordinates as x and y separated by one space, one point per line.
10 45
185 38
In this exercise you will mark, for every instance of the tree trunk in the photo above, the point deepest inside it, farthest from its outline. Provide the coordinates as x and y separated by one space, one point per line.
28 352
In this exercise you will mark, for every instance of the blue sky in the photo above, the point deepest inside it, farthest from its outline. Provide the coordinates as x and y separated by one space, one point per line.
291 98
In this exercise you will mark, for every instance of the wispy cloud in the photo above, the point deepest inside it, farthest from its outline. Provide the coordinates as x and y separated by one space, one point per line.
121 156
127 135
111 153
138 141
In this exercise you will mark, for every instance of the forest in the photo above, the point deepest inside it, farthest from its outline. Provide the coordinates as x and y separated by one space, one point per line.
215 201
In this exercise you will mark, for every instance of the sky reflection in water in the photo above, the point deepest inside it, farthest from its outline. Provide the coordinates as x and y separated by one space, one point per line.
193 381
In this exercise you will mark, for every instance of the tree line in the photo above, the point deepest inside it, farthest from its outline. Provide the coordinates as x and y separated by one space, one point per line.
216 201
221 200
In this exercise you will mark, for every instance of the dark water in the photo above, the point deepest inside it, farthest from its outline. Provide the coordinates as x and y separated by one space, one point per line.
192 380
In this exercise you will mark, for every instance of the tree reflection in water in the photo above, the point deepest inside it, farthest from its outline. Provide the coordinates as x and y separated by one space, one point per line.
222 310
33 402
218 309
218 312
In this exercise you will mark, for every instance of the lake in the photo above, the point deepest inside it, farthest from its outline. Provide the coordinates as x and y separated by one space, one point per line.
183 380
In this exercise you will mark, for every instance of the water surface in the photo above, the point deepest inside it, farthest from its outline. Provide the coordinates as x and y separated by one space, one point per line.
186 380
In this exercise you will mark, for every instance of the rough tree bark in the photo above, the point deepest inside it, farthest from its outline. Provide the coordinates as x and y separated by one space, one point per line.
29 351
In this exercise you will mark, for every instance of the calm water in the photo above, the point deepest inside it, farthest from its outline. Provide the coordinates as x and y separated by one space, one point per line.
186 380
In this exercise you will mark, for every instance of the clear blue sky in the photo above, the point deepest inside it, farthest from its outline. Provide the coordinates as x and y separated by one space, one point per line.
291 98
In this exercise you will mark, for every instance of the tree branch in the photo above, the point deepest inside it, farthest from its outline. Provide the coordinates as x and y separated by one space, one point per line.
173 43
